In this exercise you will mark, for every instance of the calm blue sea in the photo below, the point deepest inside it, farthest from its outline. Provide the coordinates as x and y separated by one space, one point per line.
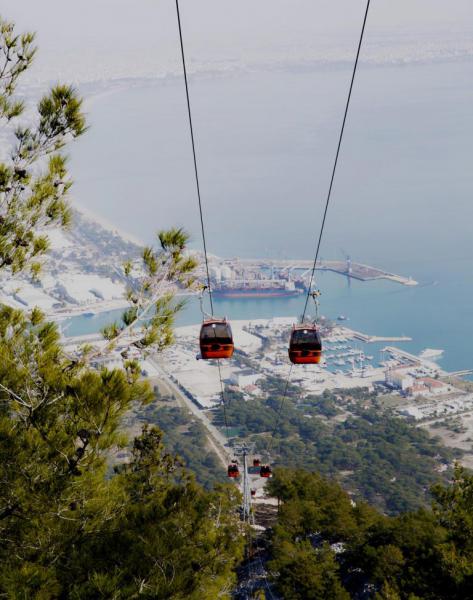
265 141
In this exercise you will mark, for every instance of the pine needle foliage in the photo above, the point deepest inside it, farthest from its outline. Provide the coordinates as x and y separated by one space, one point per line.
151 291
34 183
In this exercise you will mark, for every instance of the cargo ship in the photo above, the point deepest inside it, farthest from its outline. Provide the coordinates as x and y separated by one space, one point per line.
261 288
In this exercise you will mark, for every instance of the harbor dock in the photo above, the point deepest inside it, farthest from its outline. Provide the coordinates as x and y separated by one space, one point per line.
258 270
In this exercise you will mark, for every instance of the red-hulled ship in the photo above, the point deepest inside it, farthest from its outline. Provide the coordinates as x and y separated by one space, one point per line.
260 288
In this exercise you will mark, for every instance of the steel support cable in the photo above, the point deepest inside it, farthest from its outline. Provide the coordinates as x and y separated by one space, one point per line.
249 547
262 566
222 392
258 555
327 203
263 570
196 172
329 194
269 445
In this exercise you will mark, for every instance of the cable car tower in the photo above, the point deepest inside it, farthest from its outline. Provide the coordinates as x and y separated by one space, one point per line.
243 451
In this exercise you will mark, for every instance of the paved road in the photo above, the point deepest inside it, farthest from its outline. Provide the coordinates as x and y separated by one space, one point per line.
216 439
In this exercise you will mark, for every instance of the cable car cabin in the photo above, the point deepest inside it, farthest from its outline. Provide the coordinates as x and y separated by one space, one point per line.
305 346
233 471
265 471
256 462
216 339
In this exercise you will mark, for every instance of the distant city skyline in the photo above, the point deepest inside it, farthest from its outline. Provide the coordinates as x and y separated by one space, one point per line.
104 39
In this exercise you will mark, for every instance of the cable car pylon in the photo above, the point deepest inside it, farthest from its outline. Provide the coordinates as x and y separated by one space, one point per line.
243 451
246 506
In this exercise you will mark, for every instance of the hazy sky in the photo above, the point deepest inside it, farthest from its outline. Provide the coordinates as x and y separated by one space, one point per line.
107 38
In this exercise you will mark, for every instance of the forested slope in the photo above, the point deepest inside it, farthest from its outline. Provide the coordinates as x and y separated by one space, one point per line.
326 546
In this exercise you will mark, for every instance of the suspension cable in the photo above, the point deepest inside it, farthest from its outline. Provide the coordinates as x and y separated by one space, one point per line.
196 171
194 156
309 290
269 445
222 394
329 194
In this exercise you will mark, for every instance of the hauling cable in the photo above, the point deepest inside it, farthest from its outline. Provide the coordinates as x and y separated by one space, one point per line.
337 154
311 292
212 323
196 171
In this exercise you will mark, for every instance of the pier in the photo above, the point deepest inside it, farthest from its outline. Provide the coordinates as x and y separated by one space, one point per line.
371 339
415 360
299 270
462 373
404 355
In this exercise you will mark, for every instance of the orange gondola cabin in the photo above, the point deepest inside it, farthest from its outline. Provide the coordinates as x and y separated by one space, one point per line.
265 471
305 346
216 339
233 470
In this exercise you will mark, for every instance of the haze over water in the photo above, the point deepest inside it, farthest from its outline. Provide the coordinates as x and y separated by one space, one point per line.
266 143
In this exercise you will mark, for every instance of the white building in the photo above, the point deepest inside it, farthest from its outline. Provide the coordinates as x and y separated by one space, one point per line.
216 273
244 378
435 386
399 379
226 272
418 390
412 411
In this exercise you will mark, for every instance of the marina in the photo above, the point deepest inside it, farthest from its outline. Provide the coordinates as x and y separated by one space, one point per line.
346 363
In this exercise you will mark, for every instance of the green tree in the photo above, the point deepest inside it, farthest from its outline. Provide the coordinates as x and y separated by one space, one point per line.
147 323
171 539
305 573
34 183
57 424
312 503
70 525
453 507
424 554
388 592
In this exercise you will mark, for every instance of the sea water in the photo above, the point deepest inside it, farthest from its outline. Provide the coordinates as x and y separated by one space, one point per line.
266 143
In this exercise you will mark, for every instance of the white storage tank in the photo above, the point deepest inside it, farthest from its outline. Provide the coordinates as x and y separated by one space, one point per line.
226 272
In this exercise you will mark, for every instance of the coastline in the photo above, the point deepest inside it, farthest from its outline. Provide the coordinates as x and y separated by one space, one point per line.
97 309
106 224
